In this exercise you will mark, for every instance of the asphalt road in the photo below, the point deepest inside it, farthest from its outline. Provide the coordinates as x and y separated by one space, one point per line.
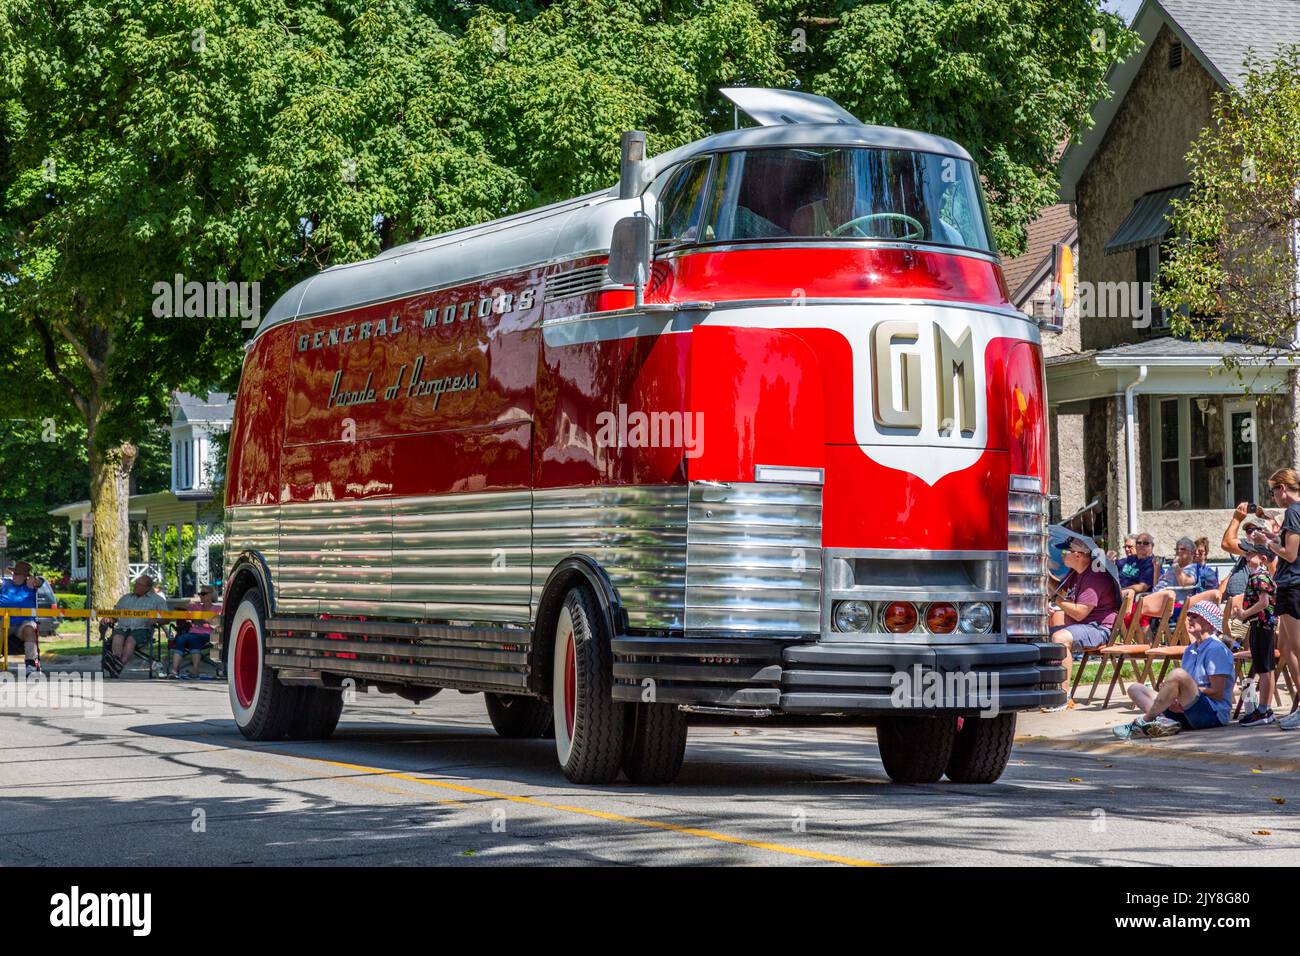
162 777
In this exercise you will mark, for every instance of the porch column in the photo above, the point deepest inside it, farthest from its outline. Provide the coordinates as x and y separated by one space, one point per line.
201 556
1117 516
143 530
1292 435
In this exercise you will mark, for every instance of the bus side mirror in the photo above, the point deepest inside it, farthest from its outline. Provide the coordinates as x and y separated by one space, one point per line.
630 252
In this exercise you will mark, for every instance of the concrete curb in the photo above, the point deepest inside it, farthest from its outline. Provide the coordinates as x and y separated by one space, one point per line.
1153 749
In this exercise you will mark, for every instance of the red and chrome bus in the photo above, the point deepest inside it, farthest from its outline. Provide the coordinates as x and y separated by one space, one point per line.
754 432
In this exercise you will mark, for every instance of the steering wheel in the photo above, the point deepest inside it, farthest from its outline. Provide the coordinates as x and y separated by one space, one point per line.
917 230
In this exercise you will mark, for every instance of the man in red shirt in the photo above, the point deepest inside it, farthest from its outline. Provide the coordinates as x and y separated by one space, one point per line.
1086 610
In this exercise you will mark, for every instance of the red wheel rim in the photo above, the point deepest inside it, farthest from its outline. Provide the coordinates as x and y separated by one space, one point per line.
570 685
246 664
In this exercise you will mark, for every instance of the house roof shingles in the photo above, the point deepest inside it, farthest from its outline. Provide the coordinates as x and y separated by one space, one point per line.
1223 30
1054 224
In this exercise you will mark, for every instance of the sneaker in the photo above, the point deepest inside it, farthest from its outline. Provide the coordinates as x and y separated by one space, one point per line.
1257 717
189 677
1163 727
1068 705
1128 731
1291 721
33 667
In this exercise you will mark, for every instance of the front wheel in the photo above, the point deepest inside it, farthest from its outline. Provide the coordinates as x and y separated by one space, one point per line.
589 725
982 749
656 743
916 749
264 708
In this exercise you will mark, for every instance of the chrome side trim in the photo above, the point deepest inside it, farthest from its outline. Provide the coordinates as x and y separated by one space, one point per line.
809 242
626 323
754 558
636 533
253 528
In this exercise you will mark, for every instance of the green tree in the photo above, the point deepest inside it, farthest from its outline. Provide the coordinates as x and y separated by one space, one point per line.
1232 269
259 141
1010 80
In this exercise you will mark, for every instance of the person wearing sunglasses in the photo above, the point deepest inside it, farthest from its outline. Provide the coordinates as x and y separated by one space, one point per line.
198 637
1086 610
1284 485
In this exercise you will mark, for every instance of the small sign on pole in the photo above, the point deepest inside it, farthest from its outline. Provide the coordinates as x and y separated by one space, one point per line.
4 536
87 525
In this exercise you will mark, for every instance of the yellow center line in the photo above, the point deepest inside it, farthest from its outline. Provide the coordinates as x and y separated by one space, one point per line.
598 814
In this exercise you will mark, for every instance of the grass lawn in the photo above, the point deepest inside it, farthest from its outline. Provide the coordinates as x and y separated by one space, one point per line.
65 644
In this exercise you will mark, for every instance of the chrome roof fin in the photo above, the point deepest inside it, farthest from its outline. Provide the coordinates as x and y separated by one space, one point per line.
769 107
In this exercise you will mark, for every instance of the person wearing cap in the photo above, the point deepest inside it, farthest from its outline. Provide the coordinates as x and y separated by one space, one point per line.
1195 696
133 630
1085 611
19 591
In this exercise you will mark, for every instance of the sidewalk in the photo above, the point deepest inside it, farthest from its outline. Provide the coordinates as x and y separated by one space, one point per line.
1087 729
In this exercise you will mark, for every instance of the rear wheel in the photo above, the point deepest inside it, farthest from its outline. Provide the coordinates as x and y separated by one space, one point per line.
264 709
589 725
655 743
982 749
516 717
317 714
916 749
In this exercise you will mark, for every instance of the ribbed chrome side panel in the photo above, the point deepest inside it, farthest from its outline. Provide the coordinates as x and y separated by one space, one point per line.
253 528
638 534
463 557
754 557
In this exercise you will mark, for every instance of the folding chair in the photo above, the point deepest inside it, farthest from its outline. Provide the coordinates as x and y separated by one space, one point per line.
1129 651
1116 631
1166 651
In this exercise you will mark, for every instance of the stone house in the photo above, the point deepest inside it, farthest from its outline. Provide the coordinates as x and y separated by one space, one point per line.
1156 429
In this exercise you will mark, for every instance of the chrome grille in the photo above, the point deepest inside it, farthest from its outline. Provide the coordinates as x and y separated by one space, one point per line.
575 282
1026 609
753 557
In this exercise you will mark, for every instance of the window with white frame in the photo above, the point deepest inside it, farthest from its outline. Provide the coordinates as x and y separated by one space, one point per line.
1181 462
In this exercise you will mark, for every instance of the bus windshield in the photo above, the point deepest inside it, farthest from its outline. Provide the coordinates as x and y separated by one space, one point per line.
829 193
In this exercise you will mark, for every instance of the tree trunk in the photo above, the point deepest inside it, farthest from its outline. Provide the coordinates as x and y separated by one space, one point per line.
110 472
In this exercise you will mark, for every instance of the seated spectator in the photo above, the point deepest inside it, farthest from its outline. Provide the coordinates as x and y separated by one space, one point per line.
1086 610
1137 569
18 590
1185 575
133 630
198 637
1195 696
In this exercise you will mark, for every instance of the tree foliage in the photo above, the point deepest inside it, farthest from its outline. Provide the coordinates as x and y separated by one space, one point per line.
1232 269
259 141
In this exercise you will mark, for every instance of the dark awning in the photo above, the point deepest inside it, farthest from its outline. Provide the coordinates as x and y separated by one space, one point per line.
1147 222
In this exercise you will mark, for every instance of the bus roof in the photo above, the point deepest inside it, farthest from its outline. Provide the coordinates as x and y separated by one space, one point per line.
562 230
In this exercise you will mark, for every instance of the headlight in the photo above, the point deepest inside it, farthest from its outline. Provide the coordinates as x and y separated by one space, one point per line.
976 618
852 616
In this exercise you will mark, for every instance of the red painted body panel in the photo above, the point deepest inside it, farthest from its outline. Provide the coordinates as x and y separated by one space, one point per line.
833 273
534 414
257 433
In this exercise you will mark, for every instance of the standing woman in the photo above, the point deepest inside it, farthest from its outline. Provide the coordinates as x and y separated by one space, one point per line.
1285 487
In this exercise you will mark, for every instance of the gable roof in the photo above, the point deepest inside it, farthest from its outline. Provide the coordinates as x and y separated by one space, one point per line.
216 407
1054 224
1218 33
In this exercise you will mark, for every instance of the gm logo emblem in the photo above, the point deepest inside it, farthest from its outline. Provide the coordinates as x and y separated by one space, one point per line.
941 399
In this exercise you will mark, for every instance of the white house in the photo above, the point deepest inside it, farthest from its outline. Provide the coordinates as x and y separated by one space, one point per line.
191 507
